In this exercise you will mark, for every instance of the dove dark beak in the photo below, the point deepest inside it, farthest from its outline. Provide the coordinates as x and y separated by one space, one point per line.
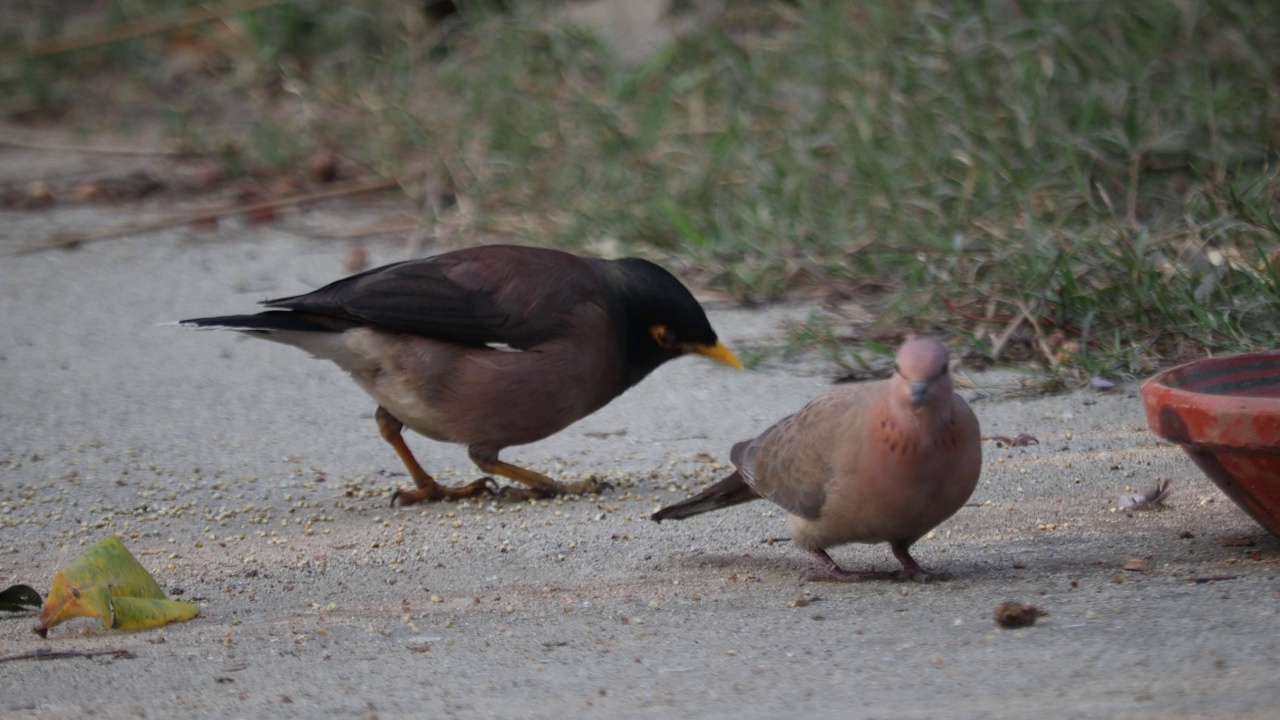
919 389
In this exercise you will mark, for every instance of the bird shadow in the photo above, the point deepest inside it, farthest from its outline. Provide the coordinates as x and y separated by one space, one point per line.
780 568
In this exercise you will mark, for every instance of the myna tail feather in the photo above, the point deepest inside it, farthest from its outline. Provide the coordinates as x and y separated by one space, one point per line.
264 322
732 490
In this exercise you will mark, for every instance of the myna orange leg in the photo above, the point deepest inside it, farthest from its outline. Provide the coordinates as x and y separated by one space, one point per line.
427 488
539 485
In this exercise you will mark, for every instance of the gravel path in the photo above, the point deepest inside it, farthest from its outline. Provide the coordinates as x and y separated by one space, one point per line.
251 480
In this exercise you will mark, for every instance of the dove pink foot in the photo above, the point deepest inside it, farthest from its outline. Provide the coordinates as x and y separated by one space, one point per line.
909 564
831 570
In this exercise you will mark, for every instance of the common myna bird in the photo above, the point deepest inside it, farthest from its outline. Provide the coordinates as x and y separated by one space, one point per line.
491 346
884 461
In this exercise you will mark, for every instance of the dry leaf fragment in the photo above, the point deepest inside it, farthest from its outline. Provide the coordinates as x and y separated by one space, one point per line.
324 165
107 582
88 191
1137 565
1016 615
133 186
260 216
1152 499
1236 541
357 259
38 195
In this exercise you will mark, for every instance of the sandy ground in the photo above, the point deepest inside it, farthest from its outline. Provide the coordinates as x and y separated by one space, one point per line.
251 480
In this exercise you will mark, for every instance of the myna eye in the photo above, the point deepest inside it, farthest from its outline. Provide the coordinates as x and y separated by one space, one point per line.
663 337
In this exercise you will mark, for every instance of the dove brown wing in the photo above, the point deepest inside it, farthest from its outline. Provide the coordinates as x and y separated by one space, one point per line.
791 463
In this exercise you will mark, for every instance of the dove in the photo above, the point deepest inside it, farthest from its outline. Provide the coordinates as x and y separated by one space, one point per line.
491 346
878 462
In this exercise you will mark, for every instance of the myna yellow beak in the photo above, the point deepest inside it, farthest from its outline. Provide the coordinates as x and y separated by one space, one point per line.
719 353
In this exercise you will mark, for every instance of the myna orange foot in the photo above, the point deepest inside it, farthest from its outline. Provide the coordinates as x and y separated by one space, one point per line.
425 489
433 491
515 494
538 485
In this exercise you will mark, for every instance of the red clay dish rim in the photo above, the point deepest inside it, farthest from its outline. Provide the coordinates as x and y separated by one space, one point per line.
1191 387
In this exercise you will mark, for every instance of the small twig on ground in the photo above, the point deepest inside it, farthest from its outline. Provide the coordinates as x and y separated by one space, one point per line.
22 140
117 653
1019 440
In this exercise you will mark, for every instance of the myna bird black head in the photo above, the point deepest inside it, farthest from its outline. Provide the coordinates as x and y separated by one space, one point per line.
662 319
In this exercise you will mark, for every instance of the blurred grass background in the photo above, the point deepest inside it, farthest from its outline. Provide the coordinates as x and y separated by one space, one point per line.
1088 186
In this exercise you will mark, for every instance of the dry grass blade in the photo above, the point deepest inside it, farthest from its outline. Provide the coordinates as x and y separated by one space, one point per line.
997 347
350 188
145 26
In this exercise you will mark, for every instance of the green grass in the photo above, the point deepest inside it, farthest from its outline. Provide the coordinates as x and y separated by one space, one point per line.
1107 171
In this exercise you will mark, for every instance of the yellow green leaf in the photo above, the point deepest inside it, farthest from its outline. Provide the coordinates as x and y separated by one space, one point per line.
107 582
144 613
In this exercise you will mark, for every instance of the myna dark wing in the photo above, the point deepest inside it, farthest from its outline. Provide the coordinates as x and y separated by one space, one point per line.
496 294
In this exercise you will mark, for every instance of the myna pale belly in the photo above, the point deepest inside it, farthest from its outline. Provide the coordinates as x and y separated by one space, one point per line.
491 346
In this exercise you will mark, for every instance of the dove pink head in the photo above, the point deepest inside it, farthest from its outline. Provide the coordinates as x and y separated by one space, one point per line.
921 369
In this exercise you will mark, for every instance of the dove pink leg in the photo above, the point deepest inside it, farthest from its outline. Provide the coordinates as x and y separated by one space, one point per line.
909 564
833 570
910 567
832 567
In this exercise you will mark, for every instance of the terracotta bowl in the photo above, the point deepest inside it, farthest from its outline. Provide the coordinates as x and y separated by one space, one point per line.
1225 412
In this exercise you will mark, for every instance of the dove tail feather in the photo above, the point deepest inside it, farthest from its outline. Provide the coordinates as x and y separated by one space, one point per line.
732 490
